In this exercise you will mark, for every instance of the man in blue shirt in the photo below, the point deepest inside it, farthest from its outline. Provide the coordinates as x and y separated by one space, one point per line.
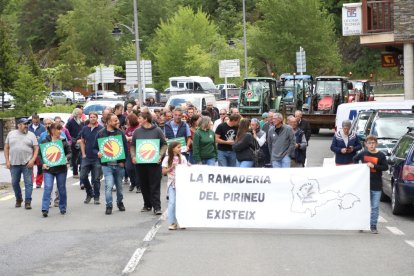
177 128
90 161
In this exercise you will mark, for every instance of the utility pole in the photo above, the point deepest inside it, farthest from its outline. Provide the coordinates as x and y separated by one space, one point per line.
244 38
138 55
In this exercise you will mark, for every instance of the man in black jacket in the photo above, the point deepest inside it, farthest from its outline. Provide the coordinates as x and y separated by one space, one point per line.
303 125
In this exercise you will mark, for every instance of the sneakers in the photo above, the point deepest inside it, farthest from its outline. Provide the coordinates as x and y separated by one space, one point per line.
96 201
88 199
146 209
157 212
121 206
374 229
172 227
62 212
27 206
108 211
45 213
126 181
18 203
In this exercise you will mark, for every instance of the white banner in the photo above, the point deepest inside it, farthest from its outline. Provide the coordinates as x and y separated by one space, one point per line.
352 19
334 198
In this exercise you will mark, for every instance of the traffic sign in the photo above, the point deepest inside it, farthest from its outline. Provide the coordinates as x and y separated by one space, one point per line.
131 72
229 68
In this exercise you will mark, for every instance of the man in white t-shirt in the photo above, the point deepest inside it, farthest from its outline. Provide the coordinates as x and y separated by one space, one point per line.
20 151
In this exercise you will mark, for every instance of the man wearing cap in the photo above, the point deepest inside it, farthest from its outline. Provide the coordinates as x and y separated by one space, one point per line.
20 151
345 145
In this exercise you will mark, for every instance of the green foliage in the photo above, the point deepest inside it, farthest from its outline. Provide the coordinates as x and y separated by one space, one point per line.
275 39
28 91
8 65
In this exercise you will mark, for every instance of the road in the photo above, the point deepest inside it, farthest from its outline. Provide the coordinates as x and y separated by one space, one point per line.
87 242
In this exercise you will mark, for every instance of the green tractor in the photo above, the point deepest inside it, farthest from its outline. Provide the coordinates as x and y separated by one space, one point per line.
259 95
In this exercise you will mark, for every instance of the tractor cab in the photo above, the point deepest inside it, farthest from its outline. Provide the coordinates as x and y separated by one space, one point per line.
296 91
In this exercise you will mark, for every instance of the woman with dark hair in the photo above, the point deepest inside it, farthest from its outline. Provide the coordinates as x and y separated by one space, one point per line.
132 124
193 123
243 145
149 174
57 172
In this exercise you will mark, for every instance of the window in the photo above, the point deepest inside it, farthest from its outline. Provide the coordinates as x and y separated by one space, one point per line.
403 147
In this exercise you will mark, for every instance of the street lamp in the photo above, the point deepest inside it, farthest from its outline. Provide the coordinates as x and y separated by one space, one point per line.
117 32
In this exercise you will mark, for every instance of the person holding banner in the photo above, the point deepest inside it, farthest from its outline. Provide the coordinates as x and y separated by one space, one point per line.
55 157
147 148
112 143
204 144
243 145
169 163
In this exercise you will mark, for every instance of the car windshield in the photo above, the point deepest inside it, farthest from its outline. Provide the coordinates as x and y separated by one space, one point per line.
94 107
207 85
392 127
328 87
181 101
257 85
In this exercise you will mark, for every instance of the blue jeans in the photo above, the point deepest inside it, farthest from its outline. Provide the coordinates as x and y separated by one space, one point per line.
244 164
283 163
16 171
171 205
113 176
190 158
226 158
209 162
61 186
375 201
91 165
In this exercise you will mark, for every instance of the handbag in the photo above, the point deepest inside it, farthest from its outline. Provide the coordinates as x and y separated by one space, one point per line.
258 155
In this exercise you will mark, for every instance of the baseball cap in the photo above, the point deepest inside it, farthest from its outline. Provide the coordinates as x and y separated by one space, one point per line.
265 115
22 121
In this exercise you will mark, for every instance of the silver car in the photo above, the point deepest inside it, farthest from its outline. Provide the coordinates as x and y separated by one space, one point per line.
57 97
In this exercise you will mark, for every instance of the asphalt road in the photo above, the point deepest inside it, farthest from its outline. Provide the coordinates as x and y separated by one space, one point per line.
87 242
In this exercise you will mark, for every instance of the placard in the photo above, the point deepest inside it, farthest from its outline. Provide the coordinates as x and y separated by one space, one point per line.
112 148
181 140
53 153
147 151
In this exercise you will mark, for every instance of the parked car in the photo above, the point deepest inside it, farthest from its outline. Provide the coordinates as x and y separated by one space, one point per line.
388 127
359 123
113 95
398 181
74 97
148 92
99 105
57 97
8 100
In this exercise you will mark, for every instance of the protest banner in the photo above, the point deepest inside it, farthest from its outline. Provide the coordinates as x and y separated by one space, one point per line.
181 140
147 151
112 148
336 198
53 153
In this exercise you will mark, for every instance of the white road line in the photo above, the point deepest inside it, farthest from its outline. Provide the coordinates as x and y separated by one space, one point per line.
395 231
7 197
411 243
381 219
139 253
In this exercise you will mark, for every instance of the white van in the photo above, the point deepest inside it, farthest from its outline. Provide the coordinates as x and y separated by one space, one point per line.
198 100
349 111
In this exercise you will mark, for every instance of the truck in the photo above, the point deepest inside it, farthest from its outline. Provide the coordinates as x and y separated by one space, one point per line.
296 91
259 95
328 94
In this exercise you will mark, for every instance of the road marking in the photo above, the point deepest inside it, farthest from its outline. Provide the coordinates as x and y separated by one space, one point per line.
395 231
7 198
411 243
381 219
139 252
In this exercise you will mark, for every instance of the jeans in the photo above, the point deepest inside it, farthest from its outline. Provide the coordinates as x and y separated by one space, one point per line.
209 162
171 205
113 176
226 158
130 169
16 171
48 187
75 158
244 164
375 201
283 163
91 165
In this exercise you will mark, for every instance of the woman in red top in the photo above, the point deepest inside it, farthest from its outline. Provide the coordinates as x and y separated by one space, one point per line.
132 125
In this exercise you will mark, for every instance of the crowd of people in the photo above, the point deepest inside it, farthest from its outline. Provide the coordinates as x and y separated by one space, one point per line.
211 137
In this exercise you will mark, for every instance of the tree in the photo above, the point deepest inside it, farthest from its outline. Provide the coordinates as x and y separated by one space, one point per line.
29 91
8 66
184 45
287 25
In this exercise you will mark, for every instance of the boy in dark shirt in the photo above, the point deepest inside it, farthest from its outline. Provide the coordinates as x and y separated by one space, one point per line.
377 163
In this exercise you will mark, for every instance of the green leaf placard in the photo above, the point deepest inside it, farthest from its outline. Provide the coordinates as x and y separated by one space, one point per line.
181 140
53 153
112 148
147 151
